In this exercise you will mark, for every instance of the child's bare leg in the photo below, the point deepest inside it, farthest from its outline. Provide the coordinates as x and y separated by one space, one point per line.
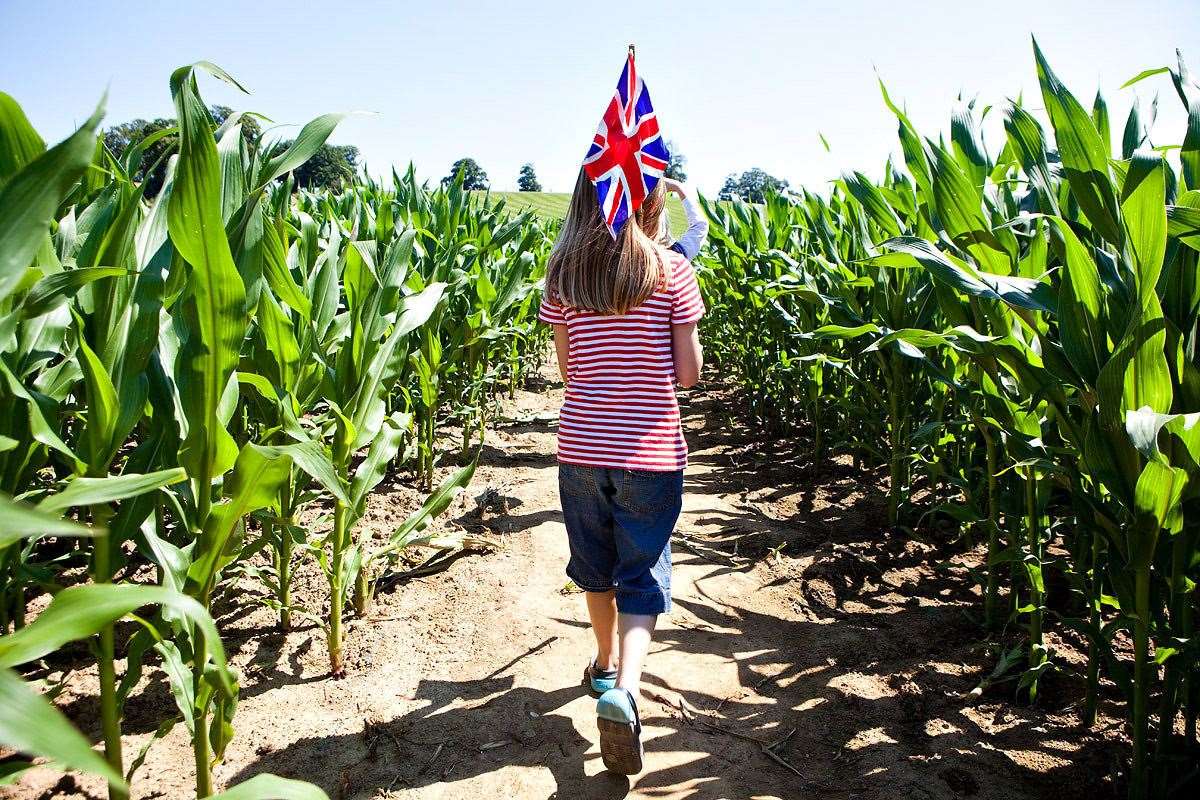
602 610
635 631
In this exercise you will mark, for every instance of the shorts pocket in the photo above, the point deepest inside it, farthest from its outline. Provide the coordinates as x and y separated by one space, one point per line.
576 481
651 492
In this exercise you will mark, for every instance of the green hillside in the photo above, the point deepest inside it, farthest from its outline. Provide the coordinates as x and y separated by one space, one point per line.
554 205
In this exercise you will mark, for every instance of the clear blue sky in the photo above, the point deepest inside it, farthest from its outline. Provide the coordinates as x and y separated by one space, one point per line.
737 84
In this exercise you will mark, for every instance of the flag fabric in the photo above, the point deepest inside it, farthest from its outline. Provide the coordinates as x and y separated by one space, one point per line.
628 155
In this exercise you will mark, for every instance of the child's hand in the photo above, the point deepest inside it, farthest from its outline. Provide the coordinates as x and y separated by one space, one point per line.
672 185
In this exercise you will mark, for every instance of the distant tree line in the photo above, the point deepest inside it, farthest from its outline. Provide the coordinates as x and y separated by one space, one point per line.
752 186
335 165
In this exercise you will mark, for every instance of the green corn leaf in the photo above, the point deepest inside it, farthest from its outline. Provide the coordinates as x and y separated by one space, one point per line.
100 434
1157 502
253 484
379 456
279 276
847 332
1189 151
1103 123
81 492
1164 654
180 681
1148 378
912 336
1133 136
967 141
310 457
873 200
369 400
39 426
1027 140
959 209
1146 73
271 787
231 152
1018 292
31 725
19 521
312 136
19 142
280 340
1137 374
220 727
910 143
52 290
260 384
484 289
214 310
1183 221
435 504
1084 156
359 276
80 611
1083 332
31 196
1143 209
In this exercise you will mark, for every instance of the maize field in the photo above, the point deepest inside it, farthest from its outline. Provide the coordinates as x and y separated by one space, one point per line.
206 387
184 376
1014 335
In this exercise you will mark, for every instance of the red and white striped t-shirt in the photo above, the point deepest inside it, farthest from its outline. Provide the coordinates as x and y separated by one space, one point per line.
620 409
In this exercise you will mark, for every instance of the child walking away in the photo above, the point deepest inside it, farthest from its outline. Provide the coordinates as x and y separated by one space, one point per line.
624 309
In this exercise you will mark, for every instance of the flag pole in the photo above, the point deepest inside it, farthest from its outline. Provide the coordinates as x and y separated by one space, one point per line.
631 51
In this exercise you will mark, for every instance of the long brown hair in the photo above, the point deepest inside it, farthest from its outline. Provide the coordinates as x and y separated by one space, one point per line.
589 269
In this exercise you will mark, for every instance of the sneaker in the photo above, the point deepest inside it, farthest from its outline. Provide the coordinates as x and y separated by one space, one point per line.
601 680
620 732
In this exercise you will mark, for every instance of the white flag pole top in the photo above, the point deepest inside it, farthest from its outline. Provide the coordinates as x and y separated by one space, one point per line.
627 156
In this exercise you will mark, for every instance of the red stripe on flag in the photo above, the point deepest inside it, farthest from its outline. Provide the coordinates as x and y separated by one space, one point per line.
648 129
651 161
618 190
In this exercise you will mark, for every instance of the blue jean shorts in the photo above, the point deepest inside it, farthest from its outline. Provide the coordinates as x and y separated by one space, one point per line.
619 525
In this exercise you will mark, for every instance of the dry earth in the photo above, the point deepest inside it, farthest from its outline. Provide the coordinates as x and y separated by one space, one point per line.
799 623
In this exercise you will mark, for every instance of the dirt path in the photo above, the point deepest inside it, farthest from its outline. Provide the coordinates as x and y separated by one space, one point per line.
796 618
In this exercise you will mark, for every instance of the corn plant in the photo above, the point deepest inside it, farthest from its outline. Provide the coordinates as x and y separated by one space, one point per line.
93 362
1034 313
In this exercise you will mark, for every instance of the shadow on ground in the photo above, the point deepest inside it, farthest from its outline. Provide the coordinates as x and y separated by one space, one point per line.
860 700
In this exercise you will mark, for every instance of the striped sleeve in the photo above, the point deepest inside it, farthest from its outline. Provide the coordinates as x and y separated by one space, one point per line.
551 312
686 304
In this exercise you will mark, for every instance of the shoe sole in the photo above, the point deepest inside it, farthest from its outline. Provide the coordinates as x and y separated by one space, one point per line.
620 746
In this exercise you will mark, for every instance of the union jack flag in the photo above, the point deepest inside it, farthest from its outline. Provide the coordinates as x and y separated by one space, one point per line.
628 155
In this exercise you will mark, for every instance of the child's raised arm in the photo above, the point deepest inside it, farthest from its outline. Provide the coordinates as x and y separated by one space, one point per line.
690 242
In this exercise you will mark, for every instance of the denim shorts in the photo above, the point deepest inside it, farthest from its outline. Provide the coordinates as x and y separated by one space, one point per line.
619 525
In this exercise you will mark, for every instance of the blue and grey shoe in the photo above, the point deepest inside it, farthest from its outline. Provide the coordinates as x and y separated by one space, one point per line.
601 680
620 732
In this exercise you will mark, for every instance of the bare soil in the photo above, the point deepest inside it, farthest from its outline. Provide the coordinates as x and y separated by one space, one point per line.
810 653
